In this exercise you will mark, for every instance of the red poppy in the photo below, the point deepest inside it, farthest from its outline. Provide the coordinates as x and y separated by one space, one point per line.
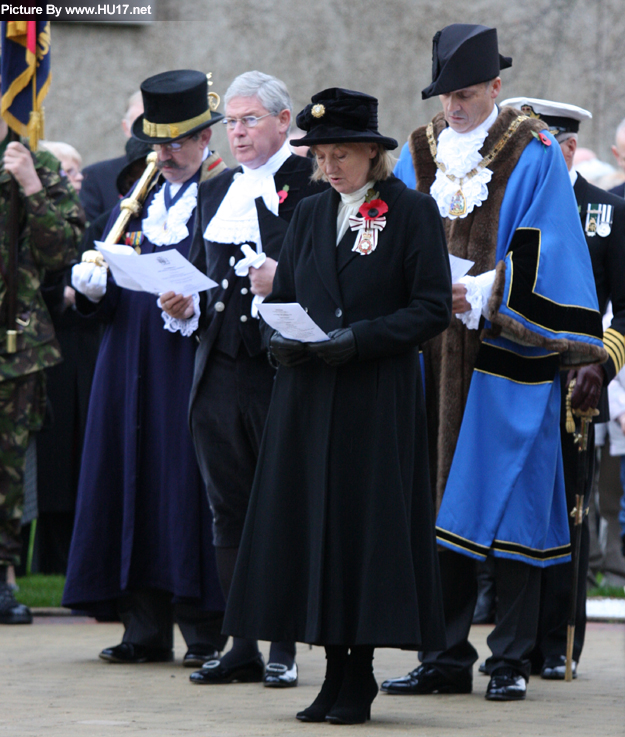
545 140
282 195
373 209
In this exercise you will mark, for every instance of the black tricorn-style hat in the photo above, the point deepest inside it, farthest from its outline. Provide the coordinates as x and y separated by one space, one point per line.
464 55
176 104
336 115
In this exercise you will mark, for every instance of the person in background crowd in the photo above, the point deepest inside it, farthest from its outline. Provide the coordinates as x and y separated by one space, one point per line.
618 150
492 378
242 218
142 531
99 193
49 229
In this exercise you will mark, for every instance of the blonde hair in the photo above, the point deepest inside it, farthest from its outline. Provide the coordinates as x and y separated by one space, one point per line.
382 164
62 151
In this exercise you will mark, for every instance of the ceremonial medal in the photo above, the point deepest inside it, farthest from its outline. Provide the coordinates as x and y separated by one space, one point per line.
369 221
134 239
599 220
366 242
458 204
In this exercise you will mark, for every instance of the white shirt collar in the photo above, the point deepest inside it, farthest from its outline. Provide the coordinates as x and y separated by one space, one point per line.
573 177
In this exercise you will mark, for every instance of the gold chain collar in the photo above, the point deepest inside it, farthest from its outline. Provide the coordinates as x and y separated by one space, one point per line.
488 159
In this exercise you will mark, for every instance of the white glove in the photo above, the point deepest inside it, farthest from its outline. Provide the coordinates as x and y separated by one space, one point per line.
89 279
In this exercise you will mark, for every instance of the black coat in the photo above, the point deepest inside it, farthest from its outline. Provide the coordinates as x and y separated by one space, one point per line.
340 511
230 324
608 265
99 188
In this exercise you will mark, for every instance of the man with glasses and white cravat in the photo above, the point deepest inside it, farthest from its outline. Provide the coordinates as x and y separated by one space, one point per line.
242 218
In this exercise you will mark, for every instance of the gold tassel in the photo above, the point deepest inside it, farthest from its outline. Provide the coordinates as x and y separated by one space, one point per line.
570 422
36 127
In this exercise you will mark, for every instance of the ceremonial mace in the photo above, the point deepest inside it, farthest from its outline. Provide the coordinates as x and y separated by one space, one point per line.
130 206
580 438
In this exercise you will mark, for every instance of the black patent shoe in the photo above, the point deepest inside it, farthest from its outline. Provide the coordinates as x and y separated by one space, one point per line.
426 680
279 676
214 672
197 655
506 684
11 611
128 652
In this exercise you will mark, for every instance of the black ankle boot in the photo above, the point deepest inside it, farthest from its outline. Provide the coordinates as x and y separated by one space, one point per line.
335 670
353 705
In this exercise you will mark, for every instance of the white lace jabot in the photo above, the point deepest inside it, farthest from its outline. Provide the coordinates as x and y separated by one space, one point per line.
348 206
460 152
236 220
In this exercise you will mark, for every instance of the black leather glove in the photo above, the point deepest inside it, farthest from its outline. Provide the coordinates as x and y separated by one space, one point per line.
588 387
340 349
288 352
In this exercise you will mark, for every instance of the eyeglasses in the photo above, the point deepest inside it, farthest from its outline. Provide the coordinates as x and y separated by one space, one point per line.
174 146
249 121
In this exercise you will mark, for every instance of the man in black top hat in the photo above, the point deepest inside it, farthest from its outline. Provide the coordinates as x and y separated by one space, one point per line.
142 530
603 219
242 218
493 392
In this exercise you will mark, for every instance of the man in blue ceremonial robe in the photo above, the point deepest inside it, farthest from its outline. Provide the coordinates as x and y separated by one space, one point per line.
142 534
527 308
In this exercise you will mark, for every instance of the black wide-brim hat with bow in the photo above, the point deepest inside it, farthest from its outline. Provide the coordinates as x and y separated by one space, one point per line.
464 55
176 104
341 116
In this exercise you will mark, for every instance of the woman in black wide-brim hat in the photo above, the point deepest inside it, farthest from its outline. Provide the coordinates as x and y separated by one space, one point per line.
338 547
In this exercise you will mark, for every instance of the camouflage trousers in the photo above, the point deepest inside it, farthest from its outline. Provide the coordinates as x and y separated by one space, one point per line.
22 410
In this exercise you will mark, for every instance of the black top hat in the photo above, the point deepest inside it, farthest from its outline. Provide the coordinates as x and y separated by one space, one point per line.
464 55
341 116
135 151
177 104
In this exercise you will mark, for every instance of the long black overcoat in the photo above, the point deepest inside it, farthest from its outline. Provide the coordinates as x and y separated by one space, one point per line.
338 546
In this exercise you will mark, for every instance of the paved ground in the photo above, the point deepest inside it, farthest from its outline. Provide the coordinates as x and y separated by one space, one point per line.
53 685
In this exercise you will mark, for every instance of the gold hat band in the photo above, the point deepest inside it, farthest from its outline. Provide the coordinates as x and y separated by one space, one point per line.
173 130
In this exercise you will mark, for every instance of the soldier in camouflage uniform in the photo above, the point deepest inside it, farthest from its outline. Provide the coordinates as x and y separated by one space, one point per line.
50 226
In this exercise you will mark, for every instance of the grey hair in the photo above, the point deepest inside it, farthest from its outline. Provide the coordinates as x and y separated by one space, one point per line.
620 128
271 92
562 137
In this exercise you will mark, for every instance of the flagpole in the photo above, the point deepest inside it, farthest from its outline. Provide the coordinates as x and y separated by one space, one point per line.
12 268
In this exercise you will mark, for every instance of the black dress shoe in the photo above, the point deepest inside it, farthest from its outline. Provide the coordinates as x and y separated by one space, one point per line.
128 652
197 655
555 669
426 680
215 671
11 611
506 685
279 676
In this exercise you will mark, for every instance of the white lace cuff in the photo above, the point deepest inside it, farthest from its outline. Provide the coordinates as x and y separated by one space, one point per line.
186 327
479 290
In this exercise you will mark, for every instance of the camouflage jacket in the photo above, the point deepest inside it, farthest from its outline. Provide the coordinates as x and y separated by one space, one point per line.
51 223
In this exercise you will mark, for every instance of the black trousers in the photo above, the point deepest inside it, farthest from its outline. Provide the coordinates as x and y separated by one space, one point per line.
555 589
513 637
227 421
148 617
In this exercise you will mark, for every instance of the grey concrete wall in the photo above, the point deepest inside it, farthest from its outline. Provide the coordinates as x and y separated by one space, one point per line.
570 50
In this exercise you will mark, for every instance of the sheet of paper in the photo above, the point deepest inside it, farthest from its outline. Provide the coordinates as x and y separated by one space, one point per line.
156 273
459 267
292 321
